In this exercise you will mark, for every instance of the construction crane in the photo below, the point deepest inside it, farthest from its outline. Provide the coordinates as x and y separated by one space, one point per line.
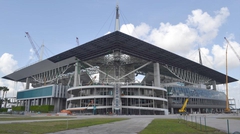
232 48
77 41
227 110
33 46
183 109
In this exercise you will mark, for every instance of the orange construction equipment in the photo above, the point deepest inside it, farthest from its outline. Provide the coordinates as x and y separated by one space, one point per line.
66 111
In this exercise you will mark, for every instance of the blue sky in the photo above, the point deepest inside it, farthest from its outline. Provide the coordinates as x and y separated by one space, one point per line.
178 26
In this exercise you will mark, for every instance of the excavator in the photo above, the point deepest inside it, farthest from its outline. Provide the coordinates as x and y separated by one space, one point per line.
183 109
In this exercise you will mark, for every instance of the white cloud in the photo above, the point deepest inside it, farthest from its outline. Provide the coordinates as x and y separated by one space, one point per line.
107 33
200 28
207 59
141 31
176 38
7 66
219 53
206 25
32 53
233 91
7 63
12 86
127 29
1 83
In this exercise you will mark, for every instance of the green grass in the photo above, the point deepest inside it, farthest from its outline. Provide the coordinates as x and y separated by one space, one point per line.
53 126
15 118
176 126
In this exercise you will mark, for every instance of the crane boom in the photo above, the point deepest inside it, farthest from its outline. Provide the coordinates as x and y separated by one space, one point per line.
183 110
34 48
232 48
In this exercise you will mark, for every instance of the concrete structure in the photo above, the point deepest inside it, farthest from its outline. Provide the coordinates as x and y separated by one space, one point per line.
67 80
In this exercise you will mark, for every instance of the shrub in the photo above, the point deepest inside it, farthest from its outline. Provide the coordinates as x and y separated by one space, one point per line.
42 108
18 108
3 109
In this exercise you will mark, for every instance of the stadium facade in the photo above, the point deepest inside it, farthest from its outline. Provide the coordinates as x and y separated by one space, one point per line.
101 76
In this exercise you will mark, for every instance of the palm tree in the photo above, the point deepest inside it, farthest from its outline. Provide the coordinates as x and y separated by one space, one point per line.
5 89
1 88
6 101
1 99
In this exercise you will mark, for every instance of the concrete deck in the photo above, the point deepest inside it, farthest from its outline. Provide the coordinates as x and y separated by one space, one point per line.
131 126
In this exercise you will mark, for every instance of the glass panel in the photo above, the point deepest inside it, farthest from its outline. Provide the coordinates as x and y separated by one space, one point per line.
195 92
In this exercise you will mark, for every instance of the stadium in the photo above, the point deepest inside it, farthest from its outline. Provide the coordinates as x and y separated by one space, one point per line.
102 76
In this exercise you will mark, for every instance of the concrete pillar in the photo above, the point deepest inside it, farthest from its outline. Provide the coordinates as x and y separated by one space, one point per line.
59 90
42 101
81 102
156 72
191 110
25 104
46 101
214 85
172 112
27 83
199 110
58 105
66 105
166 112
153 103
76 75
28 106
51 102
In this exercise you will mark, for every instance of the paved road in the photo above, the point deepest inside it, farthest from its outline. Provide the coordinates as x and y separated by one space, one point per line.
131 126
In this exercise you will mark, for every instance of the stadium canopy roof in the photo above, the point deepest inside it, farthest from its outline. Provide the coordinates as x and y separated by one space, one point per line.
126 44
